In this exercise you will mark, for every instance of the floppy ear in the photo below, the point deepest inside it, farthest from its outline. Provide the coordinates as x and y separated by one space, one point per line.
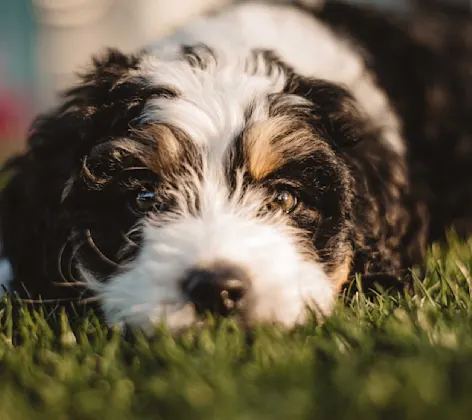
390 225
29 206
34 226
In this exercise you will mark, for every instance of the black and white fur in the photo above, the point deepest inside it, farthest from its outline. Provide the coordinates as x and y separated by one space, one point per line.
251 163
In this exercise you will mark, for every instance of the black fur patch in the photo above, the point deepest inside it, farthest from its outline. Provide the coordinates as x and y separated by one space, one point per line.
35 223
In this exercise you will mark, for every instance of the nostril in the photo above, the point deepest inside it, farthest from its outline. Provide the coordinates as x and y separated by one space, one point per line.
232 292
219 290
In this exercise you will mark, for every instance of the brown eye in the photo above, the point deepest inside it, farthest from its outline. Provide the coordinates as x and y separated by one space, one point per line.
284 200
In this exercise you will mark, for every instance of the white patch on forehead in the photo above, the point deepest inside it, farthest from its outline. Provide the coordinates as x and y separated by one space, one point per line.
308 45
211 104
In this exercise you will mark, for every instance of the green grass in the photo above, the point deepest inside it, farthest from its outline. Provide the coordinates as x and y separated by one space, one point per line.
393 357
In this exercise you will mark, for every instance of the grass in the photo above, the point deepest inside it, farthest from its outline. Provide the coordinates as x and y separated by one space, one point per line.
393 357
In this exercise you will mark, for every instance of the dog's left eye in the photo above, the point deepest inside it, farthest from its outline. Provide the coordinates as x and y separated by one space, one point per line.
146 201
284 200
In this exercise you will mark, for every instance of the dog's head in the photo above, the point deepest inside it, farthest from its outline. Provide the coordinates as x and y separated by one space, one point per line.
196 181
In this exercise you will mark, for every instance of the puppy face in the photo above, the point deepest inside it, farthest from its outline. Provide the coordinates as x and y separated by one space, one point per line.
210 182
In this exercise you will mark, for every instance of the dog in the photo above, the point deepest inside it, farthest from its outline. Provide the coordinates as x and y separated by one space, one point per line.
248 165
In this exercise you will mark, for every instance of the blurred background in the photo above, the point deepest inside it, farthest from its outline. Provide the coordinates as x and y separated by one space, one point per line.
43 43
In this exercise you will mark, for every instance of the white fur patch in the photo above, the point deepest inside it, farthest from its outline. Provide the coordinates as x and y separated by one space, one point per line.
306 44
212 102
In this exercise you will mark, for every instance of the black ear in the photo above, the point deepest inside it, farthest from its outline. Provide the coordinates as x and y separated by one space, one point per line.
34 226
335 112
30 202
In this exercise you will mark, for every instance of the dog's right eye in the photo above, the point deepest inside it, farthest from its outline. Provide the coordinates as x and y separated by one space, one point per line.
145 202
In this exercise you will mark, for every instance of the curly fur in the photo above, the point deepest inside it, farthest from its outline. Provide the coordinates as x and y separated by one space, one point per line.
364 118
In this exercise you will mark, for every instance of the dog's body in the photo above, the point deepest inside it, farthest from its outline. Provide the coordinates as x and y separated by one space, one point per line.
253 161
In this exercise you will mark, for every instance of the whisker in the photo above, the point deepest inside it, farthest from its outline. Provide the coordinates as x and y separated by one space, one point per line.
70 284
71 281
34 301
59 261
129 241
99 253
88 300
71 259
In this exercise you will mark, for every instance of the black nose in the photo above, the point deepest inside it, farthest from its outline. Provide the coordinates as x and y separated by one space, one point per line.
219 289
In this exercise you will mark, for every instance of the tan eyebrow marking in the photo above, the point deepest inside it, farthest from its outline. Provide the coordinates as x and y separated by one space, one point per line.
272 143
170 147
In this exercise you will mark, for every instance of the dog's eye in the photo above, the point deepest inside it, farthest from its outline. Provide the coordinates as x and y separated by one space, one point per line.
284 200
146 201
